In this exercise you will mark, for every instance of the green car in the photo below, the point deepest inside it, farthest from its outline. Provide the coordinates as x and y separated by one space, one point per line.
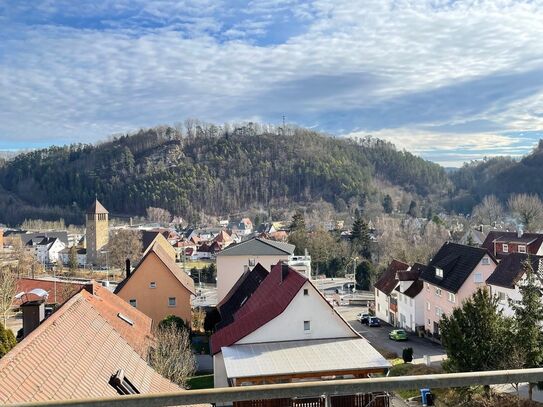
398 335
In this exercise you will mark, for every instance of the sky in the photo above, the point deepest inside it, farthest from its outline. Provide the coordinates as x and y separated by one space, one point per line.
449 80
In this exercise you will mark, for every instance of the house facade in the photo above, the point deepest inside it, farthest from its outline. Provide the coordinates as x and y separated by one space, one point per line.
452 276
508 277
410 300
274 335
158 287
501 244
236 259
386 298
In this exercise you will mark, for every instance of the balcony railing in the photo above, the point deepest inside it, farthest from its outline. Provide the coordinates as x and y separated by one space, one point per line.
323 389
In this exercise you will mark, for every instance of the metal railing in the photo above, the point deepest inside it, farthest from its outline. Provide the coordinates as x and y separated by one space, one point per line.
307 389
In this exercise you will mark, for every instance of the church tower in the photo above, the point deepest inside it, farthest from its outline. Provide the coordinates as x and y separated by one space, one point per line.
97 231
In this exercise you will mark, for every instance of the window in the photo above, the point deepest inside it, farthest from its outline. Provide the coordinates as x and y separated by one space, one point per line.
120 383
307 326
427 286
379 307
485 261
478 277
172 302
438 292
252 262
125 319
428 322
377 293
133 302
452 297
152 284
439 312
505 248
439 272
428 306
306 291
501 296
521 248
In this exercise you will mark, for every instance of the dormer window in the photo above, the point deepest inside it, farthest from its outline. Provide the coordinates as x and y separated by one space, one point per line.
485 261
521 248
505 248
439 272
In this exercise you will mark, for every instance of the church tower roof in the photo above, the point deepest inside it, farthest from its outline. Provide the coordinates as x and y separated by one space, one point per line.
97 207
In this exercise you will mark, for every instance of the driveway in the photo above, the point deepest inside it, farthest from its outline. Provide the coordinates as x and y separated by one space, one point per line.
378 336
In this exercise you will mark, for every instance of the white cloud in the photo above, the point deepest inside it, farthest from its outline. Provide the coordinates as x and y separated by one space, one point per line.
147 63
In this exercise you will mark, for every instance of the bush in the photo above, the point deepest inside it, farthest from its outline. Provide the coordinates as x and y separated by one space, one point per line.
407 355
172 320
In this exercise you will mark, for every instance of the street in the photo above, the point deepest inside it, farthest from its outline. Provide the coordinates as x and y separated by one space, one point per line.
378 336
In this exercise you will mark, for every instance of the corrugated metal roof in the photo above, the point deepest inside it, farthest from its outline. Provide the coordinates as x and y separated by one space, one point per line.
297 357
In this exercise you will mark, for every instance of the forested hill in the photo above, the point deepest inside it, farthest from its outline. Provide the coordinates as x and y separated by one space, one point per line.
212 169
500 176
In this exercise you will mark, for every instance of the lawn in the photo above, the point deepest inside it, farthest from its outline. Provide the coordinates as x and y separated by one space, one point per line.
201 382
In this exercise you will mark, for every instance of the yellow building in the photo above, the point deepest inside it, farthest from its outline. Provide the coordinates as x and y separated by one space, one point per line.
158 287
97 234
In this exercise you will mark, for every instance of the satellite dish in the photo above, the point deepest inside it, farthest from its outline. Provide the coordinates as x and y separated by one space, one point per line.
39 292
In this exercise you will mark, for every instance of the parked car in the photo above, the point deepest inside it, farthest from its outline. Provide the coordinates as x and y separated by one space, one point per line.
374 322
397 335
364 318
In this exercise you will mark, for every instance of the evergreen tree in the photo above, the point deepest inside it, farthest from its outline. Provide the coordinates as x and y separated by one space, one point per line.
528 320
387 204
476 336
298 222
364 274
7 340
360 238
72 258
412 211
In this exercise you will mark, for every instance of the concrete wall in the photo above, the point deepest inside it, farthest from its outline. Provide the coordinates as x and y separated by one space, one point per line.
219 371
289 325
230 269
153 302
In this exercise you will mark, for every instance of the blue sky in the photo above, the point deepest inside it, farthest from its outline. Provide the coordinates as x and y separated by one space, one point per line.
449 80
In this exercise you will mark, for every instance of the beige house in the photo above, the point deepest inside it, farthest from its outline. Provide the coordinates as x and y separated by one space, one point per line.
150 238
158 287
233 261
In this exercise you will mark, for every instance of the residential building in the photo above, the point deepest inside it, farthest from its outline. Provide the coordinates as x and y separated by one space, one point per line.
151 237
94 346
158 287
81 256
410 300
236 259
62 235
500 244
476 235
508 276
242 227
452 276
97 234
57 291
223 239
386 298
46 249
286 332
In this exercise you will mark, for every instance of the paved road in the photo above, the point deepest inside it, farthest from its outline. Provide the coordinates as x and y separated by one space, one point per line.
379 336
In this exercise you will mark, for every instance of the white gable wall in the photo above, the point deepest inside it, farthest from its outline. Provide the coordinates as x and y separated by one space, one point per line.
381 305
289 325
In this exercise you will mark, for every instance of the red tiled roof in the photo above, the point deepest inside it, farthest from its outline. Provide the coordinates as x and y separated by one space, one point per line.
72 355
270 299
388 280
223 237
138 335
64 290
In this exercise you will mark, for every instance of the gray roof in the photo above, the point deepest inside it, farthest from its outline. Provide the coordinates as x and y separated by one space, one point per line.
258 247
297 357
62 236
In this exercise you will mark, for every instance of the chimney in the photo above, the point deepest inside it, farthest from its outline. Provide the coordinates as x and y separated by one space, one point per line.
284 271
33 315
127 267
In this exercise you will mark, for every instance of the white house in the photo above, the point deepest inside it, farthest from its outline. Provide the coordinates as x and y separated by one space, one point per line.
81 256
410 301
386 297
47 249
508 276
233 261
284 331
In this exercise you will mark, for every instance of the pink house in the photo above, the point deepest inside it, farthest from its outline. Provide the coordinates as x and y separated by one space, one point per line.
453 275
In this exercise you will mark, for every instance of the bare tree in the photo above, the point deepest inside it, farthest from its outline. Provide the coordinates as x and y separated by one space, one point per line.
158 215
171 356
124 244
8 287
528 210
489 211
